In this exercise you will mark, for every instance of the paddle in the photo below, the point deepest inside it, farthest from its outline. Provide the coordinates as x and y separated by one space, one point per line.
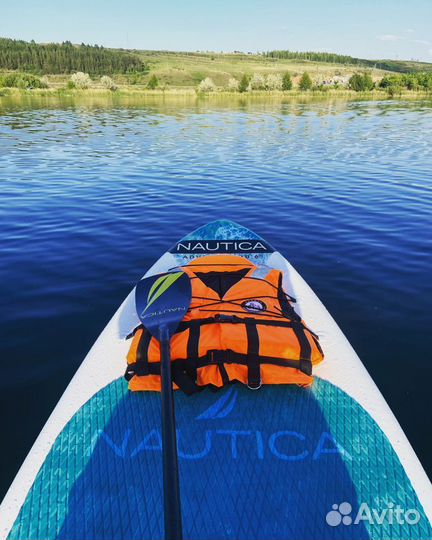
161 302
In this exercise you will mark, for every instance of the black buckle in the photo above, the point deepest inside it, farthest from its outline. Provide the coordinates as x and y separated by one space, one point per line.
220 317
137 368
215 356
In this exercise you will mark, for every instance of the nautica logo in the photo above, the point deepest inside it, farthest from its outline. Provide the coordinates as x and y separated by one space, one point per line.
285 444
161 312
222 408
216 246
233 442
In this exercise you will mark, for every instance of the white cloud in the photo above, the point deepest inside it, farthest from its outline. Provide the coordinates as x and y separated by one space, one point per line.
389 37
421 41
409 30
430 51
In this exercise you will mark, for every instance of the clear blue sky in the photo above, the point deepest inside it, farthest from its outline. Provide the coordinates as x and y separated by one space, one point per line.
365 28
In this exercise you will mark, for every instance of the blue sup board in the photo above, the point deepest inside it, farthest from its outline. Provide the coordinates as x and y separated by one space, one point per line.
282 462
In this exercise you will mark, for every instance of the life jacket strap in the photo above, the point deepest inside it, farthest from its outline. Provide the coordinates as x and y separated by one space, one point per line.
184 370
254 369
234 319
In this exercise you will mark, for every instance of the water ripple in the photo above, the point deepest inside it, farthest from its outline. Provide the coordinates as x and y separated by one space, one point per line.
92 196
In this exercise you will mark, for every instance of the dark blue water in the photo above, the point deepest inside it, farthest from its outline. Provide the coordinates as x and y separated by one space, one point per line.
90 197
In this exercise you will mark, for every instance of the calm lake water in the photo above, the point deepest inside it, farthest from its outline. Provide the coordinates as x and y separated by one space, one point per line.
91 196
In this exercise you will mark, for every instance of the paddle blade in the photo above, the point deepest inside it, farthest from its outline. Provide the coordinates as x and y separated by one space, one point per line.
162 301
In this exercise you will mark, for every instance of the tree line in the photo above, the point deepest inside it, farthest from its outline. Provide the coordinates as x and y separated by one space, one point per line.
359 82
60 58
313 57
409 81
400 66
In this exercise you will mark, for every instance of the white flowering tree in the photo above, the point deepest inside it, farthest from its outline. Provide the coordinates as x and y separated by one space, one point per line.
108 83
257 82
206 85
81 80
233 85
274 81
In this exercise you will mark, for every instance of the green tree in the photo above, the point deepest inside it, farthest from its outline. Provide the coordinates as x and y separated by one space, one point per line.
368 82
22 80
361 82
153 82
386 81
425 80
305 81
394 90
244 83
286 82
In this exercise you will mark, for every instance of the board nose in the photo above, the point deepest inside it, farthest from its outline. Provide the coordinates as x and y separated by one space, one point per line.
221 229
223 223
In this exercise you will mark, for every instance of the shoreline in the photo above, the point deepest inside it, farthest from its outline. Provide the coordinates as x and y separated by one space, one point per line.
126 93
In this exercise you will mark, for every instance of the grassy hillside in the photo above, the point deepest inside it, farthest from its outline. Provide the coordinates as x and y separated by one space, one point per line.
188 69
185 68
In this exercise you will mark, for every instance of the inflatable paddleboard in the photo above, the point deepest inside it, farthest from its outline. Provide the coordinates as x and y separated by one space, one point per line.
282 462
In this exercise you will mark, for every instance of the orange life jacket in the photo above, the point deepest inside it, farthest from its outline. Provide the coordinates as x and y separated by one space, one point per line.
240 326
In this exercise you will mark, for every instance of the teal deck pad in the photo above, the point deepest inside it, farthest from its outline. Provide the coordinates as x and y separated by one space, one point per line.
253 464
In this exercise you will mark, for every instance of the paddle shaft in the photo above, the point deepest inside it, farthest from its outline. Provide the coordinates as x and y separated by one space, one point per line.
172 508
